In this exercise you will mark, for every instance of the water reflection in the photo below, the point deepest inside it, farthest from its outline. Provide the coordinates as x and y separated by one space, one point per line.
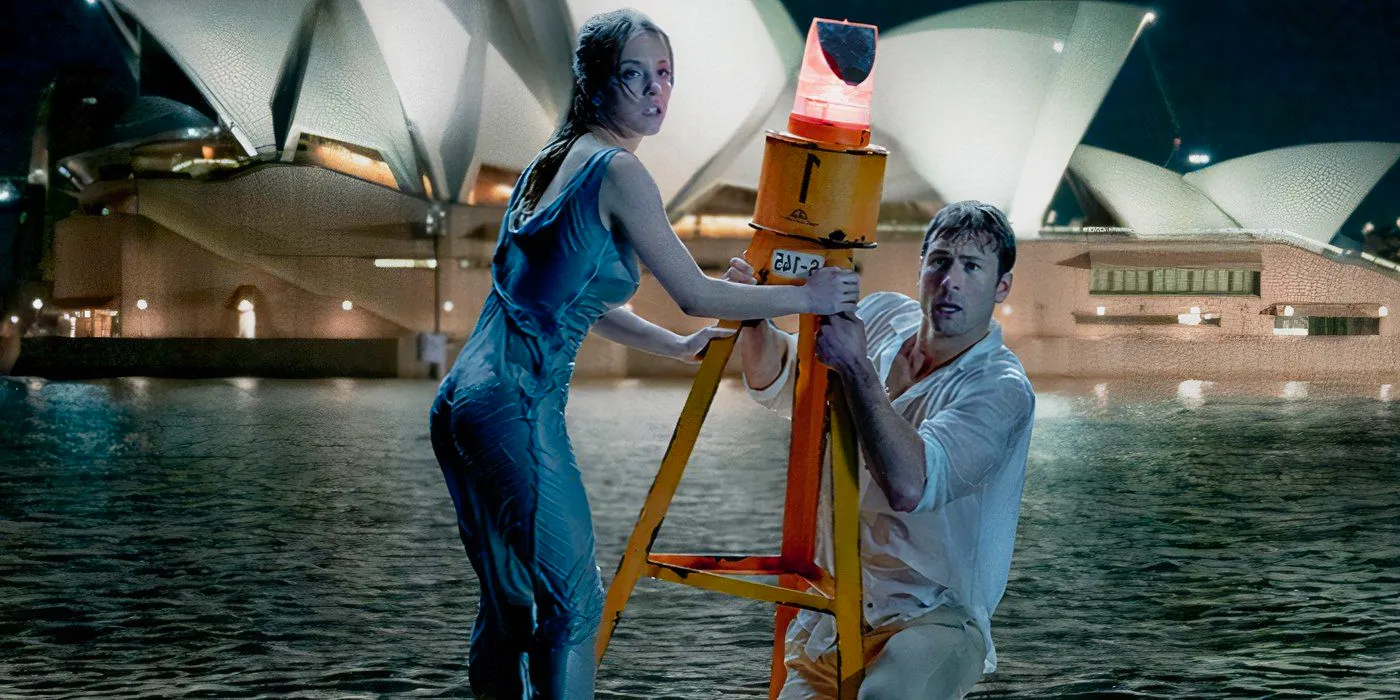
1191 393
170 537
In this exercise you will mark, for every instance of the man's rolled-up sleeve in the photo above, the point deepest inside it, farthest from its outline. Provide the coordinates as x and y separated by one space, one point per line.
969 441
778 395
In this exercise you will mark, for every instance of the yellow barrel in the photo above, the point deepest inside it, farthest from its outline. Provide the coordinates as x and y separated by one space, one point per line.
820 191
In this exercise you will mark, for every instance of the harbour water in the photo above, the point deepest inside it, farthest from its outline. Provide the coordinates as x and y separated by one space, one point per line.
244 537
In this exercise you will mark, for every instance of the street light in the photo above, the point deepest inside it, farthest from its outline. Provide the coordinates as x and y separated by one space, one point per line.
346 305
38 304
141 304
448 306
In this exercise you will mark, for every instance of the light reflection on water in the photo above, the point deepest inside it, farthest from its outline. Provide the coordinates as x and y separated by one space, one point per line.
257 537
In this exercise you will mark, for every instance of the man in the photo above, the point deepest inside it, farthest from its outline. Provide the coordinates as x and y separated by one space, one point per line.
943 411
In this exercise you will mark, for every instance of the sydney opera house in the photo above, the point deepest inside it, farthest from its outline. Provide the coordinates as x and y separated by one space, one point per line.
352 185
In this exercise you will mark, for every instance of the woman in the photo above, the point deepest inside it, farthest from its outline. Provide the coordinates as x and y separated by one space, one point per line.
566 262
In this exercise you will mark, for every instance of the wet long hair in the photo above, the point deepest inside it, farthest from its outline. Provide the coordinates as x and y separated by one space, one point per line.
596 55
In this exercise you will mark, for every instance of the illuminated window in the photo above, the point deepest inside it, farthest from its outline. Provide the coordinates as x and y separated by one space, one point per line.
247 320
1326 325
1173 280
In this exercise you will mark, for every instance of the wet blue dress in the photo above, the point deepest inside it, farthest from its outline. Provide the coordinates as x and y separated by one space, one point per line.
499 435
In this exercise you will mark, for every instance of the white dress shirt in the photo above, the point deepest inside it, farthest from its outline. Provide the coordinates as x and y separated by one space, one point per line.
974 415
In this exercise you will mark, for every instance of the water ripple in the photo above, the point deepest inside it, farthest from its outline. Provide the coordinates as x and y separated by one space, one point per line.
294 539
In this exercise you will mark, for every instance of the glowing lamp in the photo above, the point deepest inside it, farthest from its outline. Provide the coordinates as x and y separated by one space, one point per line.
835 84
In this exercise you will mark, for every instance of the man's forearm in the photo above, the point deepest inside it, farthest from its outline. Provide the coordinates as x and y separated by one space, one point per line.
894 451
761 350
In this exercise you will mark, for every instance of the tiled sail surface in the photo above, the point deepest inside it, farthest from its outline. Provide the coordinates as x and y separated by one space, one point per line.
1027 76
233 50
1309 190
1145 197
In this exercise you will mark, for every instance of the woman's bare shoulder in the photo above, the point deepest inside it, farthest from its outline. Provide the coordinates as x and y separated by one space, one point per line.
626 175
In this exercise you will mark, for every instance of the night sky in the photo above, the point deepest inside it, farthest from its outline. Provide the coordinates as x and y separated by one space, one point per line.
1232 77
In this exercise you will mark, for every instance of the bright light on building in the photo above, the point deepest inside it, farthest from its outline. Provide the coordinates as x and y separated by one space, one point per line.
192 132
1100 311
1198 158
142 305
245 305
1006 311
346 305
87 313
1383 311
64 171
14 319
37 304
1368 227
1059 46
184 165
1196 310
1287 311
91 2
448 306
427 263
8 192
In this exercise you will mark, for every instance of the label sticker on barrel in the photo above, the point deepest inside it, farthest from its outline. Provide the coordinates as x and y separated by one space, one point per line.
791 264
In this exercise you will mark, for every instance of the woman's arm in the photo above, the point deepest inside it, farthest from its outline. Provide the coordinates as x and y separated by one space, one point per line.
631 203
622 326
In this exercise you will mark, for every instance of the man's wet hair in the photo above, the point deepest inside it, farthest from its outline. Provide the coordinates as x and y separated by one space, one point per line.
971 220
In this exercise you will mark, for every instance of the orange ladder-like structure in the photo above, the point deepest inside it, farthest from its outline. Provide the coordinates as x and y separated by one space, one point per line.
818 201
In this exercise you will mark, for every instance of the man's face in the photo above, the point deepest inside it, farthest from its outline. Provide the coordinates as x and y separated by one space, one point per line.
959 286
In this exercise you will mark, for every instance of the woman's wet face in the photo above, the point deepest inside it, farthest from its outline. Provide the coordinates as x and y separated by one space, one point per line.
635 100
